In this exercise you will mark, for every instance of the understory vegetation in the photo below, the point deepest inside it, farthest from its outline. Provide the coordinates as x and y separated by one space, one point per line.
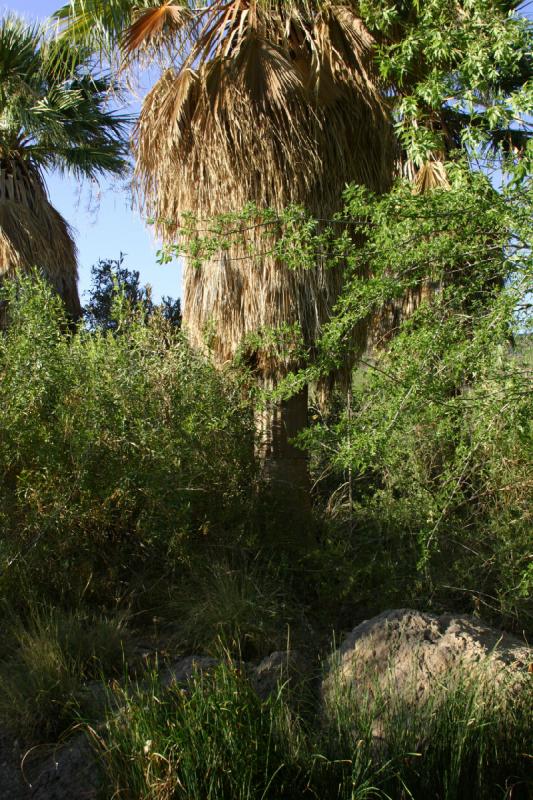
198 509
133 511
218 739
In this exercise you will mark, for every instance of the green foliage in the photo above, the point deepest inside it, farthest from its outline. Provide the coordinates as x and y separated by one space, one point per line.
112 282
216 739
51 121
98 24
460 73
468 738
118 454
438 441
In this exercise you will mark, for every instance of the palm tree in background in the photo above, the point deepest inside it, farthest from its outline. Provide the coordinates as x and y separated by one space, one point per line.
270 103
48 121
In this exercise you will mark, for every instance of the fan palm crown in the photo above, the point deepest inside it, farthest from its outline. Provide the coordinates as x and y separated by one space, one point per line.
48 121
262 102
272 103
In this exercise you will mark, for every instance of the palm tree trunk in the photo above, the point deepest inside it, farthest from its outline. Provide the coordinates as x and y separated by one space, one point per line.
282 463
285 471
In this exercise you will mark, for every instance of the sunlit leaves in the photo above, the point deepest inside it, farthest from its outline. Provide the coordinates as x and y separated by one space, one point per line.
437 55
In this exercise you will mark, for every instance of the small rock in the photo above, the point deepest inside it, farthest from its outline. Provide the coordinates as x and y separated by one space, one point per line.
278 668
184 669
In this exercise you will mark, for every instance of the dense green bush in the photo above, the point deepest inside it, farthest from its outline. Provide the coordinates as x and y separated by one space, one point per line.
119 454
441 479
435 449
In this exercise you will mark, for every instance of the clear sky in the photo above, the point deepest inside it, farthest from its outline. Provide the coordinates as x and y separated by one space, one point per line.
104 223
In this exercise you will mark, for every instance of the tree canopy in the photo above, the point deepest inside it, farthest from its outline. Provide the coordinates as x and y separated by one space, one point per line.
455 74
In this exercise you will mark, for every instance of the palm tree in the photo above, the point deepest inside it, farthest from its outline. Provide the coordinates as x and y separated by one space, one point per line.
273 103
48 122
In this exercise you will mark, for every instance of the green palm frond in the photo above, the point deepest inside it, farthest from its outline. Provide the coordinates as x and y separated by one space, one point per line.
46 116
49 120
100 24
19 52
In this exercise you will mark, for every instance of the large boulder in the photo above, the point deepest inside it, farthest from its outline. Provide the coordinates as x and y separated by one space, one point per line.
412 653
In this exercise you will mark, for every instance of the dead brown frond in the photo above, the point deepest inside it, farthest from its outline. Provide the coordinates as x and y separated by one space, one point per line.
34 235
431 175
153 23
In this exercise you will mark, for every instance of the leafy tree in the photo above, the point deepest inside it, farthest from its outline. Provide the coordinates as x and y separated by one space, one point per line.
47 122
459 77
114 283
436 446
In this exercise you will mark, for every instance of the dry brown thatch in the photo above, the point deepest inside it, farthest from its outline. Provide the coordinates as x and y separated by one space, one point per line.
431 175
34 235
275 105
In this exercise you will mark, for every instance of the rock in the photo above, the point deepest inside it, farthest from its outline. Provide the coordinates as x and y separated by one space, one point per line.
411 653
278 668
12 785
182 671
70 772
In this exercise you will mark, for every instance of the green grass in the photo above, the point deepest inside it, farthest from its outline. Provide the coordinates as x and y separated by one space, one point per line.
216 740
240 602
50 666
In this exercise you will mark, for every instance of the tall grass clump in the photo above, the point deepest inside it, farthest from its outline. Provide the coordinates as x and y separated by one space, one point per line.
215 739
241 601
120 453
50 666
467 736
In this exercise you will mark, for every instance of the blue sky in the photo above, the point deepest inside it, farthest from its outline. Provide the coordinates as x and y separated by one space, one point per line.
104 222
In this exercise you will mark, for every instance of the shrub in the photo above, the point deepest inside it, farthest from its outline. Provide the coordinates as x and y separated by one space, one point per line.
119 454
441 477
